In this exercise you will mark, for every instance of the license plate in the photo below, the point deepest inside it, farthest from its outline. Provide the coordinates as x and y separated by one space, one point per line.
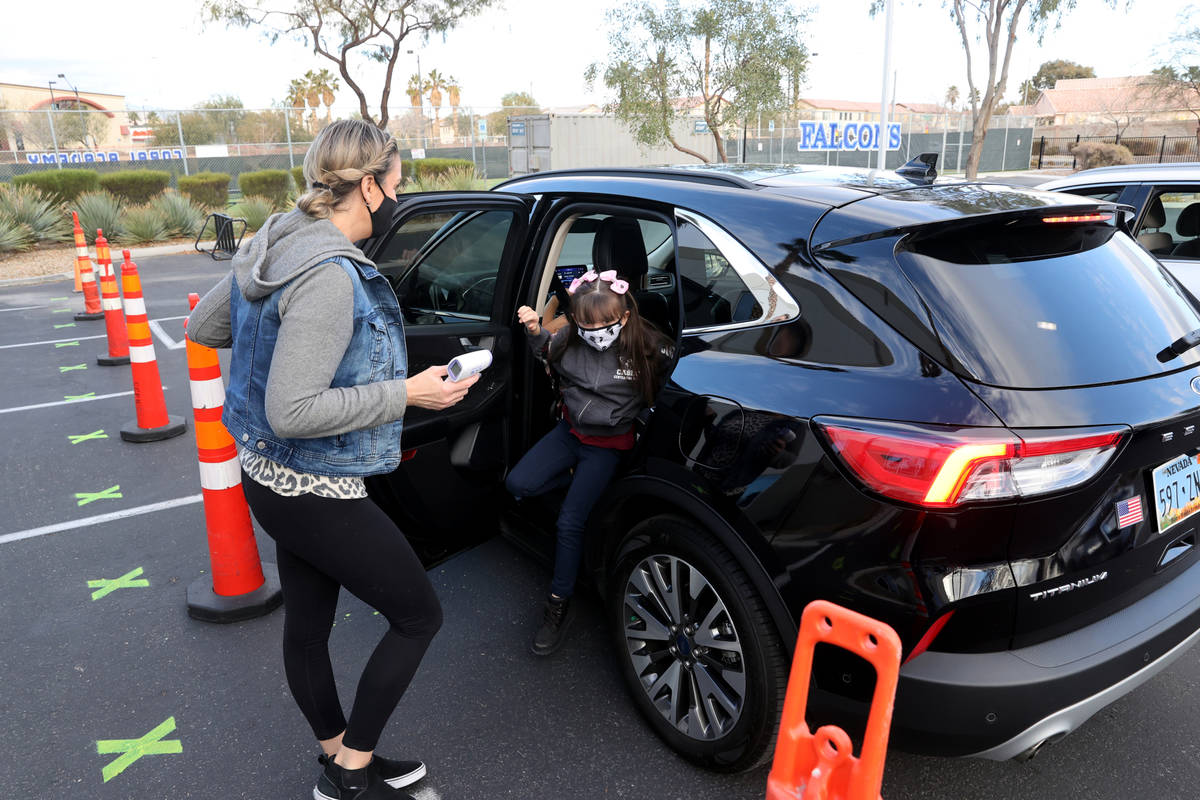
1176 490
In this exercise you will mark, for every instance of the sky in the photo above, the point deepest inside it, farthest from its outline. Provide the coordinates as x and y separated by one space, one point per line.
167 58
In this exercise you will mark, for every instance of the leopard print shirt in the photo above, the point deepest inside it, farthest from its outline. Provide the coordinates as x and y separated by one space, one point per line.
289 483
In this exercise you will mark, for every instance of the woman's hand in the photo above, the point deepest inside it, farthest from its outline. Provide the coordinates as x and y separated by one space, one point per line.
529 318
430 389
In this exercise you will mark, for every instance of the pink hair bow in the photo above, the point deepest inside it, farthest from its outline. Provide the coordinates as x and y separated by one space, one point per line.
608 276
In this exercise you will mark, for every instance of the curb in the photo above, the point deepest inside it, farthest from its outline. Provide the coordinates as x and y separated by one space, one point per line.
164 250
36 279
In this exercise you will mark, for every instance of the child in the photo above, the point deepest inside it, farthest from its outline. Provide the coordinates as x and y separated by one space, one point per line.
610 364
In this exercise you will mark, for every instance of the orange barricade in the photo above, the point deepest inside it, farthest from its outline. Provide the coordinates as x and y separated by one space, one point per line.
238 589
822 766
152 423
110 303
81 251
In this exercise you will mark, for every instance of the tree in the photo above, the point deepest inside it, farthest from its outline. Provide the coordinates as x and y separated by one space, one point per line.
345 31
1177 82
75 125
1051 72
728 56
995 23
214 121
511 105
435 82
952 97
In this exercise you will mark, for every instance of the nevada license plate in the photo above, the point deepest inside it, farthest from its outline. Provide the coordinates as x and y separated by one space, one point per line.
1176 490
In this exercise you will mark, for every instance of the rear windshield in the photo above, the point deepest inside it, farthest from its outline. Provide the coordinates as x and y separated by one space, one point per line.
1023 316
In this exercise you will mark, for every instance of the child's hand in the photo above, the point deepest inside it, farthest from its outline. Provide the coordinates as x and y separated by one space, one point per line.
529 318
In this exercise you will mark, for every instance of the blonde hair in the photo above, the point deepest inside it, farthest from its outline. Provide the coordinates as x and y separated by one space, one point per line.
339 158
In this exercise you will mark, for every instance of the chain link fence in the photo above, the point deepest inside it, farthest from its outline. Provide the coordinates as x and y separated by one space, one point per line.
237 140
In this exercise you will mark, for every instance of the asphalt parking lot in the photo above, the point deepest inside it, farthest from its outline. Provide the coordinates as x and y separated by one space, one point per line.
111 691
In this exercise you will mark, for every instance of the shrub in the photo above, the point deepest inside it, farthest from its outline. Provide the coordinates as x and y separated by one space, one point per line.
1100 154
206 189
143 224
298 179
421 168
254 210
99 210
456 180
65 184
46 219
136 185
14 236
181 216
273 184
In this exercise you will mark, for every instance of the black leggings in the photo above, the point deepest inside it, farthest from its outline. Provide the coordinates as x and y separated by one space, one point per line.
322 545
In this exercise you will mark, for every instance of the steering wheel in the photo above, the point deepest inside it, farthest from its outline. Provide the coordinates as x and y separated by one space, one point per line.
467 293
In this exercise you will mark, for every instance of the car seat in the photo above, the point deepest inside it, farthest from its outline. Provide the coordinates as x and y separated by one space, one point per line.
1188 226
619 245
1158 243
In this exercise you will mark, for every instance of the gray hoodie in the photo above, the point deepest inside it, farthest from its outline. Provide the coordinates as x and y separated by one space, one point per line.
316 309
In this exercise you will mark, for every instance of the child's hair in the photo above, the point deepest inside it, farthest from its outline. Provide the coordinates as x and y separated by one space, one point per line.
639 344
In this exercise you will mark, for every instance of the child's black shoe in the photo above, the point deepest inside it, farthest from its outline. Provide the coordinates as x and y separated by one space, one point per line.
555 620
336 783
396 774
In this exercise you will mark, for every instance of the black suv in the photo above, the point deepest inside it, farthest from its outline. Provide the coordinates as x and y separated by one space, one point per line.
955 408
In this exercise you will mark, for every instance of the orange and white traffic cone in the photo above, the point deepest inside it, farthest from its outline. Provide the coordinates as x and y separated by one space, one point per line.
822 765
81 251
110 303
241 587
91 296
152 423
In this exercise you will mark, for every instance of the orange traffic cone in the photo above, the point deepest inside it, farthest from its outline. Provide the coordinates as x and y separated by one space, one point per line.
152 423
81 251
822 766
110 303
241 586
87 279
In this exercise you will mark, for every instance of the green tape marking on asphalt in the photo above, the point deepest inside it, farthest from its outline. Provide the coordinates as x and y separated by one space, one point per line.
65 344
133 749
83 437
70 397
59 299
111 493
104 587
66 325
60 311
72 368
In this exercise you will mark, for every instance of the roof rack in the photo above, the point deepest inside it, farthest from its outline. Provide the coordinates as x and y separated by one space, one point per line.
695 176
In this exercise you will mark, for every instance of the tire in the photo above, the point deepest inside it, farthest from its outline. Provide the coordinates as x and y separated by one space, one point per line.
736 663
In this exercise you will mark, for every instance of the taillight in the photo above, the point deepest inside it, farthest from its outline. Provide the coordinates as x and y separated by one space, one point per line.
1099 217
943 466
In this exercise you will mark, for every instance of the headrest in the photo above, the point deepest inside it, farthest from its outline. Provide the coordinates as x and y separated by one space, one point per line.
619 245
1156 215
1189 221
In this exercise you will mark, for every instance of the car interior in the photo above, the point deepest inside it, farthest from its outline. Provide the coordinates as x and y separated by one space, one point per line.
1173 210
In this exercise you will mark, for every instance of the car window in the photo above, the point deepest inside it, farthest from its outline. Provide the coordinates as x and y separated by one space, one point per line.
444 264
1181 221
577 247
1107 194
712 291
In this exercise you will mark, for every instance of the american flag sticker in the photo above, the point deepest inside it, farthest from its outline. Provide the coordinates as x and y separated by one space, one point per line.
1129 512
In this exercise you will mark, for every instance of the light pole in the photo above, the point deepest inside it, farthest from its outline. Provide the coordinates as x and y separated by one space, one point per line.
53 135
421 95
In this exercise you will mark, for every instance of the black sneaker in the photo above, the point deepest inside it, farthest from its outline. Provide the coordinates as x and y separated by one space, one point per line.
555 621
396 774
336 783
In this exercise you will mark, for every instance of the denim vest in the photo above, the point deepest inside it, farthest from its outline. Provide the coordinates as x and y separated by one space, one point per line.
376 353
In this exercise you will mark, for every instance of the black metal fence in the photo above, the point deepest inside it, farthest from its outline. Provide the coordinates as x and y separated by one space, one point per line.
1057 151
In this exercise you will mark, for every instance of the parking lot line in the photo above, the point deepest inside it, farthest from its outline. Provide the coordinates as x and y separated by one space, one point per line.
51 341
82 399
19 308
100 518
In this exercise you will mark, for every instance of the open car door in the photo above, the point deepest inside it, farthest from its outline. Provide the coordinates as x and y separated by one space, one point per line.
453 260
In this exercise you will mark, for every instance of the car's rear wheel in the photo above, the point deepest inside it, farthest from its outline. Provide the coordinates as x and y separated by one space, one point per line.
698 651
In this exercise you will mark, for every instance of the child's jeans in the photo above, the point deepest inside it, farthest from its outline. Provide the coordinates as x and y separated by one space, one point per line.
547 467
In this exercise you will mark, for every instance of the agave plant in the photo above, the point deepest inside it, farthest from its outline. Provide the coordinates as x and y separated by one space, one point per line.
40 212
144 224
455 180
181 215
14 236
254 210
99 210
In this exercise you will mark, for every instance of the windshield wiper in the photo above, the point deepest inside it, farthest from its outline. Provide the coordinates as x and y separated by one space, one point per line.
1180 346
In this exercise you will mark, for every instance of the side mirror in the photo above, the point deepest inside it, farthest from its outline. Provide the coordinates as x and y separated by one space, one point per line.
921 170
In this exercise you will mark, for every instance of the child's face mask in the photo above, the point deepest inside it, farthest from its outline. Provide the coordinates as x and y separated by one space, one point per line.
600 338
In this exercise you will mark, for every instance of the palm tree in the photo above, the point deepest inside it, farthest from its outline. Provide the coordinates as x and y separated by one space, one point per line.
296 93
435 82
415 90
327 83
454 89
952 96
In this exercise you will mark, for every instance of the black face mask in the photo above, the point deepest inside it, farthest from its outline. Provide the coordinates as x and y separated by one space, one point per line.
381 218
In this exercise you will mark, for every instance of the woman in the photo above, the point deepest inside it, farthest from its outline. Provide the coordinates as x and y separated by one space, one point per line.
317 389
